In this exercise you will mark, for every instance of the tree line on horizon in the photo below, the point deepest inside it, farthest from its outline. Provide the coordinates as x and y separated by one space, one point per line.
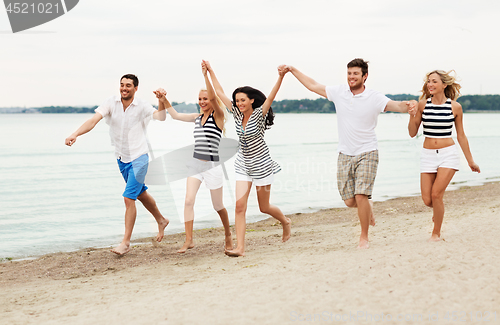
469 103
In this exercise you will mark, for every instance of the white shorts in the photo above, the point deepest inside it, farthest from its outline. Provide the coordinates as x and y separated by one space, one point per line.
432 159
208 171
257 182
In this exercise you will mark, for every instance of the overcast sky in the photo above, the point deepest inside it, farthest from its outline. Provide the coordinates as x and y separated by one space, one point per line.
78 59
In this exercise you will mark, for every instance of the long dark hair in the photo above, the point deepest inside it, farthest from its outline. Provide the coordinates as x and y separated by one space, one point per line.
258 100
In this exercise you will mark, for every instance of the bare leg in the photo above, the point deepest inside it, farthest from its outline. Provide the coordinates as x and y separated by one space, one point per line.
192 187
242 192
130 216
426 182
263 195
441 181
217 198
372 216
188 243
150 204
365 215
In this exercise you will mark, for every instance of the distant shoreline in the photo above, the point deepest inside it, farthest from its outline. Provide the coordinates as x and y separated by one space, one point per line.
470 103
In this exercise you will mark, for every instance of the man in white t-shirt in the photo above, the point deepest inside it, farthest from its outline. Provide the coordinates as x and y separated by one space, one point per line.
357 109
127 118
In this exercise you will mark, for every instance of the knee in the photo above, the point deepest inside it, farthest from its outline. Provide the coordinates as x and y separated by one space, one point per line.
265 208
427 201
218 206
351 203
241 207
437 196
189 202
129 202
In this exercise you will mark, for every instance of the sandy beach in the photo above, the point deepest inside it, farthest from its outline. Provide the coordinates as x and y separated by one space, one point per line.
318 276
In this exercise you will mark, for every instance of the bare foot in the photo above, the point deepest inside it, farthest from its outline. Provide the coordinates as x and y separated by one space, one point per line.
187 245
121 249
363 244
372 216
287 230
229 243
435 238
161 229
234 253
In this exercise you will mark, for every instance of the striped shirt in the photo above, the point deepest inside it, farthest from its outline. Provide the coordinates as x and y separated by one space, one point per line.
206 139
253 158
437 120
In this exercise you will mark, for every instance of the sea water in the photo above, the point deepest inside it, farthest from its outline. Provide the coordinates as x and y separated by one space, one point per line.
58 198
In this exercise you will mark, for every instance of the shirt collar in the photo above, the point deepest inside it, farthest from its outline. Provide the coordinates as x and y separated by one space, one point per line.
119 99
348 90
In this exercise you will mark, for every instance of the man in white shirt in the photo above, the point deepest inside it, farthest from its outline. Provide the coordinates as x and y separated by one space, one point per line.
128 117
357 109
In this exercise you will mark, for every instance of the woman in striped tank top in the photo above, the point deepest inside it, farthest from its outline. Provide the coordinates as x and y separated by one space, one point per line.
438 111
209 126
252 115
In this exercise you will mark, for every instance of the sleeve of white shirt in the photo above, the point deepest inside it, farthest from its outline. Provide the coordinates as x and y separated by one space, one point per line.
332 92
105 108
147 111
381 101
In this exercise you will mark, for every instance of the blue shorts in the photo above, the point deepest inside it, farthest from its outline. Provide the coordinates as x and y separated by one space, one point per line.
134 173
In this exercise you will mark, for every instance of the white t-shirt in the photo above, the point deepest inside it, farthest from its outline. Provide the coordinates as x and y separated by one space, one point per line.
356 118
126 128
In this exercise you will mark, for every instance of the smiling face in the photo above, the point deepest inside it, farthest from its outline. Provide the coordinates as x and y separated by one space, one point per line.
127 89
244 103
355 78
435 85
204 102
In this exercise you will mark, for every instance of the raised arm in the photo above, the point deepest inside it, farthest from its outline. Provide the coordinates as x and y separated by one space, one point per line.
416 120
218 87
308 82
163 104
218 111
84 128
462 138
161 113
269 100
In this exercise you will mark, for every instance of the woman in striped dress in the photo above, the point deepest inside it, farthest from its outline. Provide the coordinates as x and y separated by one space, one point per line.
209 126
252 115
438 111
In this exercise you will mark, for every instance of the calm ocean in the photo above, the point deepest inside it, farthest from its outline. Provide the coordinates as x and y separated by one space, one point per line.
58 198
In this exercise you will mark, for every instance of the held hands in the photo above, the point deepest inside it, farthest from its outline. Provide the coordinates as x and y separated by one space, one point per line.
204 68
206 65
160 93
412 106
283 69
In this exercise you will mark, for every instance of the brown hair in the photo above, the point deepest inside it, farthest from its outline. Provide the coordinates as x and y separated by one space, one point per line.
132 77
360 63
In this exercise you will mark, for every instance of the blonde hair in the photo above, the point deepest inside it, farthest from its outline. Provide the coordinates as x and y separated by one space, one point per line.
452 90
221 105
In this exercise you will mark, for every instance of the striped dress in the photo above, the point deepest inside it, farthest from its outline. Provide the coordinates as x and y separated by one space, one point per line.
206 139
437 120
253 158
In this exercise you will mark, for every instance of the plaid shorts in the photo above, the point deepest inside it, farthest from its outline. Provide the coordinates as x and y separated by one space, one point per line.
356 174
